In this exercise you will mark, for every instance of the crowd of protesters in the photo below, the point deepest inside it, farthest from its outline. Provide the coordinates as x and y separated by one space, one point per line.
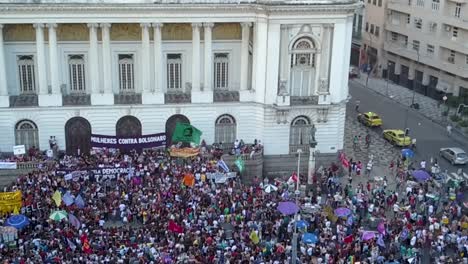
151 215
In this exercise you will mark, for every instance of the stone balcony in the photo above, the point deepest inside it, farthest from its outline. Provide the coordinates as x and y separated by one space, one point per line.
24 100
177 98
221 96
304 100
127 98
76 99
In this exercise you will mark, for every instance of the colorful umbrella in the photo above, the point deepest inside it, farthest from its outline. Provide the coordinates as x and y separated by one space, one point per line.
368 235
302 224
58 215
270 188
421 175
342 212
18 221
309 238
408 153
288 208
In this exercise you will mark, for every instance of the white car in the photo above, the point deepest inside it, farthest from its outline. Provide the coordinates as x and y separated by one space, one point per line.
454 155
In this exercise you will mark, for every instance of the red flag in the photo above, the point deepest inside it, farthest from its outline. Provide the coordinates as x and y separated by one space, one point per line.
345 162
175 227
293 177
348 239
86 247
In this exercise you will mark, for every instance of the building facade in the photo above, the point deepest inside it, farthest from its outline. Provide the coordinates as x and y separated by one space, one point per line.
244 69
426 45
373 37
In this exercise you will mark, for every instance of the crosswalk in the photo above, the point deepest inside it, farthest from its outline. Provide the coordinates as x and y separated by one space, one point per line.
453 176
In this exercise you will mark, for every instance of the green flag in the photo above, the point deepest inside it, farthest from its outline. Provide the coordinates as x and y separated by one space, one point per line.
240 164
186 133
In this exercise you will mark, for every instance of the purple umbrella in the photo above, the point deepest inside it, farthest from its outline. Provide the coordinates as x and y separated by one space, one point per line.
342 212
288 208
421 175
368 235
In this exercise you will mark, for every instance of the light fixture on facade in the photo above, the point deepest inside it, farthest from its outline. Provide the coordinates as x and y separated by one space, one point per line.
322 115
281 116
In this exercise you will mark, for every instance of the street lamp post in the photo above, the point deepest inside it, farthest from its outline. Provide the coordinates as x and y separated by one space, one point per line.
414 86
388 73
294 238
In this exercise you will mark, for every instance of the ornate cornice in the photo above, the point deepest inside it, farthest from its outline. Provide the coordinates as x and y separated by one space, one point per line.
257 8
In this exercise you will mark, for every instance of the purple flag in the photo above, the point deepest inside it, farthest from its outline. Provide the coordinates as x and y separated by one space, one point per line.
67 199
71 245
79 201
74 221
380 241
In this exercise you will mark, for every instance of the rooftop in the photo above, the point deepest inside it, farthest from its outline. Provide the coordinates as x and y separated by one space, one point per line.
166 2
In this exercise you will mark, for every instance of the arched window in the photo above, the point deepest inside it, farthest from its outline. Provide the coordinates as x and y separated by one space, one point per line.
26 73
302 67
26 133
300 132
76 68
126 73
225 129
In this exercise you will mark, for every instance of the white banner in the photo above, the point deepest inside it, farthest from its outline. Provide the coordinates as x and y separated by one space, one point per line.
220 177
8 166
19 150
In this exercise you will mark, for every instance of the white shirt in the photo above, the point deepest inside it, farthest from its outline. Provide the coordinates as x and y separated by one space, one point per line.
423 164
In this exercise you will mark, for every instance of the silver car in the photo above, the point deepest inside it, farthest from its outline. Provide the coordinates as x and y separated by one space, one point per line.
454 155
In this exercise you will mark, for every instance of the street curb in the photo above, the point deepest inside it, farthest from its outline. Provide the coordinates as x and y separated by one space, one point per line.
419 113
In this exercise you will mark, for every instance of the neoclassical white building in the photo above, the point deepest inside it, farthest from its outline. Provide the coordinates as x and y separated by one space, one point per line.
246 69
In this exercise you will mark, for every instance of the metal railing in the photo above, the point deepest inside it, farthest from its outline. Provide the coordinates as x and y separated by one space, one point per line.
293 148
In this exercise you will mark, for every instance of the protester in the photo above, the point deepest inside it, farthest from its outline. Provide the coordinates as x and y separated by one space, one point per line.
160 209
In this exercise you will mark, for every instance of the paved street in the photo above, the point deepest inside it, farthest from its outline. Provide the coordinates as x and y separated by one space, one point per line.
430 135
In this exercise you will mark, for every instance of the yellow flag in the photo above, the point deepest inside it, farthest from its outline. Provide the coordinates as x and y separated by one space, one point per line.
57 197
254 237
16 211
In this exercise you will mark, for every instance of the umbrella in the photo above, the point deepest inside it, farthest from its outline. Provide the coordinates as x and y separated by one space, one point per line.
309 238
58 215
288 208
270 188
408 153
421 175
342 212
368 235
302 224
17 221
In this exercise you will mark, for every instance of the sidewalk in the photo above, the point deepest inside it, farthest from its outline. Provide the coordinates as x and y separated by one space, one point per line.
428 107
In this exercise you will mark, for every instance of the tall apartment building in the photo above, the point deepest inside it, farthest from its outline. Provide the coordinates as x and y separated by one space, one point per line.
426 45
372 52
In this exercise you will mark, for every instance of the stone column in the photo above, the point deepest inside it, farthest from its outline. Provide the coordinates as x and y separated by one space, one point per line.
244 70
106 58
40 56
154 93
52 96
260 57
196 57
197 95
99 95
323 82
93 59
208 69
145 57
158 58
4 98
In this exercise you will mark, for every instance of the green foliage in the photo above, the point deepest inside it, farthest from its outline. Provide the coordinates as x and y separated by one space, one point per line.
455 118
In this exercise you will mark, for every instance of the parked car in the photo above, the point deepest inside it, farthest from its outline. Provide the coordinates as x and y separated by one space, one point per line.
397 137
370 119
454 155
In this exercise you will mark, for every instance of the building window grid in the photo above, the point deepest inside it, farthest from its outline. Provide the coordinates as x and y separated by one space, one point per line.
394 36
416 44
367 26
377 31
26 74
430 49
466 59
432 26
372 28
374 2
126 73
408 19
405 41
420 3
455 32
221 68
174 72
457 9
418 23
300 130
379 3
26 134
435 5
225 129
76 71
451 57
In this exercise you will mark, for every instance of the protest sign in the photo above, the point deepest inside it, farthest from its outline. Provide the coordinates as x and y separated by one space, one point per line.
8 166
100 173
19 150
10 201
138 142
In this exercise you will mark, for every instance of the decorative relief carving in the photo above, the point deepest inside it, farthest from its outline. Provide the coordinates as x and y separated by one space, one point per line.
19 32
72 32
323 85
122 32
223 31
179 31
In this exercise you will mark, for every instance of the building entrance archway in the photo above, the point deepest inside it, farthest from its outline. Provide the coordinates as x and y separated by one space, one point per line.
171 124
